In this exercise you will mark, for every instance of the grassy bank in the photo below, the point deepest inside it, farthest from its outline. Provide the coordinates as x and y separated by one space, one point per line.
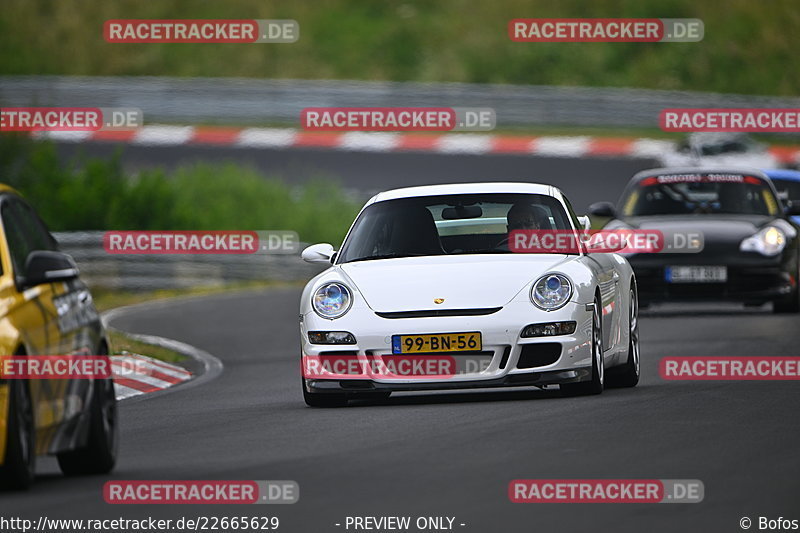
749 47
96 194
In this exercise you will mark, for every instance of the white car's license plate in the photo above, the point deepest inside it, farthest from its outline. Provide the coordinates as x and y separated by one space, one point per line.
437 342
696 274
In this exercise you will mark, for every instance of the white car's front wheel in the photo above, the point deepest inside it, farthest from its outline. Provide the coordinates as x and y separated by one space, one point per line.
596 384
627 375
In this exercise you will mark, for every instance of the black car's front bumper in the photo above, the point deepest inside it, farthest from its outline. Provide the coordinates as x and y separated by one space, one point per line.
752 280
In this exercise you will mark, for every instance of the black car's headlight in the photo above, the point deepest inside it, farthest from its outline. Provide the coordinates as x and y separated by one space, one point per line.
332 300
551 292
770 241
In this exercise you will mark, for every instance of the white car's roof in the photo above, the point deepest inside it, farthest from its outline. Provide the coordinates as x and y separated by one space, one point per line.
467 188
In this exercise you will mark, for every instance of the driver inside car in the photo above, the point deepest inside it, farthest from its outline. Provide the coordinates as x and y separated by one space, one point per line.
523 216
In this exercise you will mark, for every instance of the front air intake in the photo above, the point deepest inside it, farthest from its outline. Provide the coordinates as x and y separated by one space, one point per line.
539 354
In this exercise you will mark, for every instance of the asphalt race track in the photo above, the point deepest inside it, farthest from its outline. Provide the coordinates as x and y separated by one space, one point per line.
584 180
454 454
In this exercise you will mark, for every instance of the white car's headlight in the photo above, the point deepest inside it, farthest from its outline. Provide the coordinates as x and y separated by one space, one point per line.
551 291
332 300
769 241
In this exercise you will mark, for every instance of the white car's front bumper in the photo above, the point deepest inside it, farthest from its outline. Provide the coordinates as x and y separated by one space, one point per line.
506 360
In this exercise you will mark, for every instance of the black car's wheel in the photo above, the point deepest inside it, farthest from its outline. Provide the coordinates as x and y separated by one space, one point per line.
100 453
628 374
328 399
19 465
596 384
791 304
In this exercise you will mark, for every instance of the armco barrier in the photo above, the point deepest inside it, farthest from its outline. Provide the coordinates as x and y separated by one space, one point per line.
150 272
263 101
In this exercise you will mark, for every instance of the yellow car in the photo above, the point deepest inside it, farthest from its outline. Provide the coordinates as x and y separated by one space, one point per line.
46 310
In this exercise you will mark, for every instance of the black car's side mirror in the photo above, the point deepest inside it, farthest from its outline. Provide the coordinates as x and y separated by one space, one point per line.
792 208
603 209
43 266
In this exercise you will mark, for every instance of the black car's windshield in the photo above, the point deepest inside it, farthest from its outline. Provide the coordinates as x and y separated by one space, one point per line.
448 225
687 194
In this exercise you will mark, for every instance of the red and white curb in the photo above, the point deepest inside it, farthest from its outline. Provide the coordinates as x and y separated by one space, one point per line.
136 374
451 143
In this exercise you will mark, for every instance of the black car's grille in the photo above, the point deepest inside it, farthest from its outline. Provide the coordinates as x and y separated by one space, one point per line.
438 312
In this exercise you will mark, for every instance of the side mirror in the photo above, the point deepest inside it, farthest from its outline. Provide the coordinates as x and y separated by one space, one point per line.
792 208
43 266
586 222
603 209
318 253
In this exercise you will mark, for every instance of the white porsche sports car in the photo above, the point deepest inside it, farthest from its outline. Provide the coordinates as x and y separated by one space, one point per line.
425 294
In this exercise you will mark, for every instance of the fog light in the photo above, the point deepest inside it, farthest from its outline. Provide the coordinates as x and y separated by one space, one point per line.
331 337
549 329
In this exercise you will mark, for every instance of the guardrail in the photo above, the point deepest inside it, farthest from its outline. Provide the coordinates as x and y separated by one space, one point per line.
151 272
259 101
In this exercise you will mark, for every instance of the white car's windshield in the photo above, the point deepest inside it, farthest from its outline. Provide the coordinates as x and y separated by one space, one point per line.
451 224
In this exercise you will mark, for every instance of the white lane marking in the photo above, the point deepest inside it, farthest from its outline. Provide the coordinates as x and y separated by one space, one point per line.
463 143
163 135
63 136
562 146
369 141
267 137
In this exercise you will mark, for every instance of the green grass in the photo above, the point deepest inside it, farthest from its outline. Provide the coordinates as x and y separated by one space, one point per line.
749 47
96 194
122 344
106 299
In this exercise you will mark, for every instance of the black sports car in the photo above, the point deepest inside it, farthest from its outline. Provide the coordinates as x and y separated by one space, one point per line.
746 247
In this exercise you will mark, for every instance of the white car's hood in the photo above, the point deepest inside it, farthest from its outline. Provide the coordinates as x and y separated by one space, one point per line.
464 281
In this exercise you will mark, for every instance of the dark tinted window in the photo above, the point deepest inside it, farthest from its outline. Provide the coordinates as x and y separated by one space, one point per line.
446 225
24 231
690 194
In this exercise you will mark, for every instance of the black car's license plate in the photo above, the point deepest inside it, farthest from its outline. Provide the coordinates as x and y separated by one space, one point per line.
696 274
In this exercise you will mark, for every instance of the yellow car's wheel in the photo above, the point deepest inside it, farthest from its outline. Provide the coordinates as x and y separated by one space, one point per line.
19 466
100 453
